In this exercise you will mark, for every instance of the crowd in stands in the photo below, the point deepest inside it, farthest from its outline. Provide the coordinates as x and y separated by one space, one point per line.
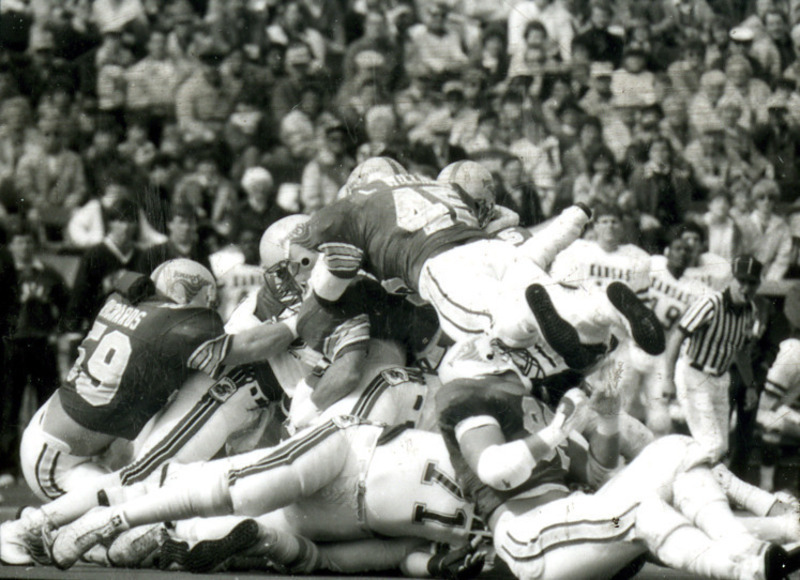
136 131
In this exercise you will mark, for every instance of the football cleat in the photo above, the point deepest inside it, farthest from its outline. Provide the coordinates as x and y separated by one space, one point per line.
646 330
558 333
776 563
172 554
21 540
133 547
211 554
101 524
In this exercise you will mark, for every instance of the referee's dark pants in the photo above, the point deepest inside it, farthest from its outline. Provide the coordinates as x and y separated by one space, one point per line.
745 448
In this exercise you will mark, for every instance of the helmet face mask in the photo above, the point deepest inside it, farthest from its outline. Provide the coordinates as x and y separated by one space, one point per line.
476 182
286 265
287 280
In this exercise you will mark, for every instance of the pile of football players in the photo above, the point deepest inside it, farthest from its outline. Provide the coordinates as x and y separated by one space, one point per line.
419 385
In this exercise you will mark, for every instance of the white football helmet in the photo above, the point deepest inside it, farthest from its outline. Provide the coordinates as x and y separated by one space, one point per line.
185 282
287 266
372 169
477 182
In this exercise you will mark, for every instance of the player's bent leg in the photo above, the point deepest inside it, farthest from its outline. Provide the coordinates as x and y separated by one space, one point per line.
754 499
702 398
575 537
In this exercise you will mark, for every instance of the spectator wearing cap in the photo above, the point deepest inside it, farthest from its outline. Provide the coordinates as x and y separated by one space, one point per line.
779 143
602 44
772 237
741 45
703 106
717 330
706 156
773 50
51 180
103 263
286 94
259 209
376 38
598 99
153 81
204 102
633 80
328 171
182 241
756 21
432 48
383 138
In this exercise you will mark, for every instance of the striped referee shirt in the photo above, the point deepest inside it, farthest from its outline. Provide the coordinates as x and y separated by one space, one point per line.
717 329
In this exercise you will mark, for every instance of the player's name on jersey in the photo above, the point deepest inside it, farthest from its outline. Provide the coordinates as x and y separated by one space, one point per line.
610 272
666 289
122 314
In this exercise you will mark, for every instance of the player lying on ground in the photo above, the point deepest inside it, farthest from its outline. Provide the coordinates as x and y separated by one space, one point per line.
512 460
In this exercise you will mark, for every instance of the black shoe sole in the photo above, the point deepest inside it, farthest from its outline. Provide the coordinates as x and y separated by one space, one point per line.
558 333
172 552
776 563
646 330
209 554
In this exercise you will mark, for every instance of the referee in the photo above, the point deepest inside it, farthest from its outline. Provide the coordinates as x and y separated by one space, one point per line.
714 333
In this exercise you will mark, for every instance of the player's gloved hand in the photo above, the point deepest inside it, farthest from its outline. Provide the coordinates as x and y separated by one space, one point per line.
460 564
572 414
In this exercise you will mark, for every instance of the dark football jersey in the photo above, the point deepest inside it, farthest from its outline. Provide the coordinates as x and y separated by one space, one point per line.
132 360
390 228
518 416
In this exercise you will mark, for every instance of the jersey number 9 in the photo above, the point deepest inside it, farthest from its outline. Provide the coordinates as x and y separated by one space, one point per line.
102 359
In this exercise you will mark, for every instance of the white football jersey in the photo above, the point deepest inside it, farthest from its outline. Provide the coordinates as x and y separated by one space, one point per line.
585 263
669 296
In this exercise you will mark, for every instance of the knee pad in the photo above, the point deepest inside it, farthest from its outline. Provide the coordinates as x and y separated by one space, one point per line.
694 490
656 520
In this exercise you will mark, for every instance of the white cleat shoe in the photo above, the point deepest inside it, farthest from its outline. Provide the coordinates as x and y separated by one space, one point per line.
133 547
21 541
73 541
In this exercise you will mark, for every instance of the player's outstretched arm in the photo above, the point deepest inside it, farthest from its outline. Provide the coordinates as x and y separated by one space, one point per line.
262 341
670 357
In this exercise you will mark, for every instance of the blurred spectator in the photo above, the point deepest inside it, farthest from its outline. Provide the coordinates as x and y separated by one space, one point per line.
123 15
518 194
464 114
103 162
298 145
792 69
753 92
773 238
211 195
43 297
182 242
112 62
601 183
741 45
292 26
383 138
602 44
434 150
238 271
757 21
724 236
793 271
368 87
773 50
375 38
745 160
287 92
51 180
685 73
414 103
432 48
598 99
703 107
327 172
487 137
633 80
491 56
780 145
9 411
153 82
259 209
102 265
17 137
675 125
590 138
706 155
88 224
137 146
204 102
662 194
